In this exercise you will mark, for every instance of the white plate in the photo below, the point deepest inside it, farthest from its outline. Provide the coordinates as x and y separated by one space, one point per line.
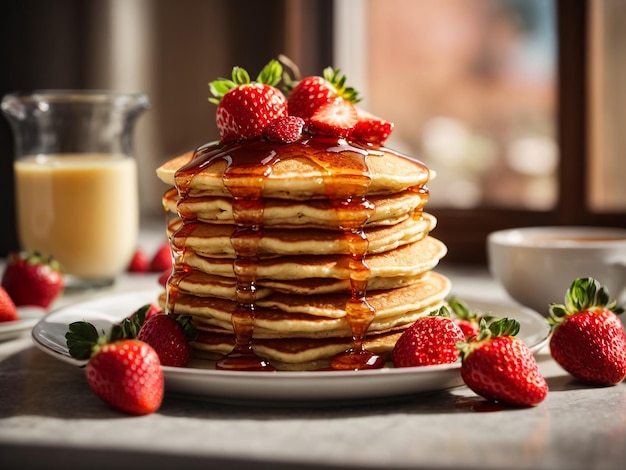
29 316
49 336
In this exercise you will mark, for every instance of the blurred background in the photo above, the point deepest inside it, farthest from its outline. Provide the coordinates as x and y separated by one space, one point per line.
517 105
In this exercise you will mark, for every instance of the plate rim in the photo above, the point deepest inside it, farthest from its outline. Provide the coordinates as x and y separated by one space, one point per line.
194 378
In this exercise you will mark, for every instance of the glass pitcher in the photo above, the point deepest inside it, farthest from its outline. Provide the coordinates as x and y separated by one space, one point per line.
76 179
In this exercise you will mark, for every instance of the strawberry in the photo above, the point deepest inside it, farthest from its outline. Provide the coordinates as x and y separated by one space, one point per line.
163 277
499 366
313 93
588 339
8 310
125 373
139 262
162 259
336 119
31 279
285 129
370 128
245 108
468 320
169 337
430 340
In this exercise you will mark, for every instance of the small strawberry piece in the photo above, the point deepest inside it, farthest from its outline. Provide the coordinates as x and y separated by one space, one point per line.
8 310
430 340
168 338
334 119
31 279
285 129
371 128
313 93
588 339
499 366
139 262
162 259
245 108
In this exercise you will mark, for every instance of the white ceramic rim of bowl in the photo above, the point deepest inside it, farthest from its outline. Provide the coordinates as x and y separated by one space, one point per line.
527 236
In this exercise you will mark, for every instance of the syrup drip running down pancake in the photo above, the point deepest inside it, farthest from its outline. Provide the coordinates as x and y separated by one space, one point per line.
299 240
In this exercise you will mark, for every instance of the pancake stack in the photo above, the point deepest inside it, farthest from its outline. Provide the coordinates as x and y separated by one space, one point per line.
303 252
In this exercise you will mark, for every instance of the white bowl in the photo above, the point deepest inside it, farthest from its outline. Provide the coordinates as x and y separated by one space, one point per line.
536 265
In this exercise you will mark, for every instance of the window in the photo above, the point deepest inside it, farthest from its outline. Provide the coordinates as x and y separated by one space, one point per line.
512 102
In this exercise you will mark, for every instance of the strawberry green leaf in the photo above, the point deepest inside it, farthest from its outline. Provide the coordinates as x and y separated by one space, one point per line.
240 76
583 294
81 339
189 330
338 81
442 312
271 73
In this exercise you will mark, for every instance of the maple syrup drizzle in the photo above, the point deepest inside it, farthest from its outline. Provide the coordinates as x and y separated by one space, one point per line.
346 179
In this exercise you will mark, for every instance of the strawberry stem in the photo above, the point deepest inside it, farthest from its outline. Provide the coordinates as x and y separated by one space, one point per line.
583 294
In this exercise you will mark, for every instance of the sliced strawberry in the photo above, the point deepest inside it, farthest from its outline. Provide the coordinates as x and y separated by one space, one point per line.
285 129
371 128
336 118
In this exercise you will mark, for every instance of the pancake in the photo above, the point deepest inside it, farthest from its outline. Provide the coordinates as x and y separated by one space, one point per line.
213 240
408 260
297 175
293 354
319 213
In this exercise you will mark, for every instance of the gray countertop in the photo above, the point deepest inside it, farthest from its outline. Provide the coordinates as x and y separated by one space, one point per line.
50 419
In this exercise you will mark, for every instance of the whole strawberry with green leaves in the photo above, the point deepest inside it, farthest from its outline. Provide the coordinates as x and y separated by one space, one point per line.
123 369
499 366
588 339
33 279
124 373
245 108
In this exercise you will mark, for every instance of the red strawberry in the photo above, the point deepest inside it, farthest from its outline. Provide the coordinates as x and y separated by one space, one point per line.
371 128
164 276
336 119
468 320
31 279
169 337
285 129
125 373
430 340
8 311
245 108
588 339
162 259
498 365
139 262
312 93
